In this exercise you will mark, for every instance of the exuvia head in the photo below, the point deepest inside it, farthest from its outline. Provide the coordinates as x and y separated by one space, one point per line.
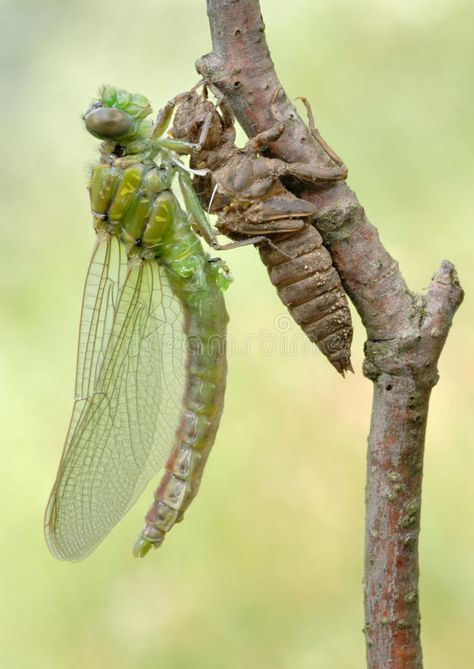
118 115
192 113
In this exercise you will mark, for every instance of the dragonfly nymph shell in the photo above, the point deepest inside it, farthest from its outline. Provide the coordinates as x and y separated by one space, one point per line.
244 188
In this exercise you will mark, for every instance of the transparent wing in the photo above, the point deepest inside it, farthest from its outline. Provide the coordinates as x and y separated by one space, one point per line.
129 398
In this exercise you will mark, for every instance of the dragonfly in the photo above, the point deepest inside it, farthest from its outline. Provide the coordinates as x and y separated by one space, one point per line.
151 362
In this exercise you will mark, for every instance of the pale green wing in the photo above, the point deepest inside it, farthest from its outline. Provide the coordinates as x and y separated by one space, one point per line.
129 398
105 277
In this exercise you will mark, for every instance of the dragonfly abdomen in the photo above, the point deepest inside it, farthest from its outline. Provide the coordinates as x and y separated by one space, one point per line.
310 288
203 401
155 223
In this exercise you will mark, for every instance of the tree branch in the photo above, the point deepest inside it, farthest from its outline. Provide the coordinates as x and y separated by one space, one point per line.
406 332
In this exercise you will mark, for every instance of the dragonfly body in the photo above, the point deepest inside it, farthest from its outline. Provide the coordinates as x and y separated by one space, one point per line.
148 271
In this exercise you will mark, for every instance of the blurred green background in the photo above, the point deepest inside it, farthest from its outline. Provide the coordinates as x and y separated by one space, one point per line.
266 570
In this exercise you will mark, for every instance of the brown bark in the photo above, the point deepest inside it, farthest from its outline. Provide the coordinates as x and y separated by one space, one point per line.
405 332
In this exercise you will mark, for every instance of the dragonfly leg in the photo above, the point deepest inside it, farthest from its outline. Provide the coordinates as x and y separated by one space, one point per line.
165 114
195 210
317 135
177 145
261 141
254 241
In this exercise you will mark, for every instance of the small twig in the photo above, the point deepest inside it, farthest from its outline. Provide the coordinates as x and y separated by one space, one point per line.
406 332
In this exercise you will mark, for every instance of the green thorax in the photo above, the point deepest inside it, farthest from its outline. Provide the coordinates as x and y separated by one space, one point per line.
130 189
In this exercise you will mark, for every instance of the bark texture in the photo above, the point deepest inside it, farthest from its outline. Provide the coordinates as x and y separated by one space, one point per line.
405 331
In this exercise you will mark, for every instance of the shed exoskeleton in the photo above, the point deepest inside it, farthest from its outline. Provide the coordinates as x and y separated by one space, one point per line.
243 187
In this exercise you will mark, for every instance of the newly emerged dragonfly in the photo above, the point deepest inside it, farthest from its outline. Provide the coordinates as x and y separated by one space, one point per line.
151 360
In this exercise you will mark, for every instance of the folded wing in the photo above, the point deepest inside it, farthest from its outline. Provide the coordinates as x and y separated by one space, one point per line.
129 398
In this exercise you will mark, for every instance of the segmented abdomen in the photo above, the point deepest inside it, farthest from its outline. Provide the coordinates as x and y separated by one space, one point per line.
206 367
310 287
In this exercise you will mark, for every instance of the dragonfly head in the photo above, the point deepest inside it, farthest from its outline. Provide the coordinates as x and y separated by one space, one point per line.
118 115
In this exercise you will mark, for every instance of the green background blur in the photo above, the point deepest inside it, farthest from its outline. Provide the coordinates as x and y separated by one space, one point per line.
266 569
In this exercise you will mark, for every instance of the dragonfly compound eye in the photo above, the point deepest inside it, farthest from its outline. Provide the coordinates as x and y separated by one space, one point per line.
107 122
